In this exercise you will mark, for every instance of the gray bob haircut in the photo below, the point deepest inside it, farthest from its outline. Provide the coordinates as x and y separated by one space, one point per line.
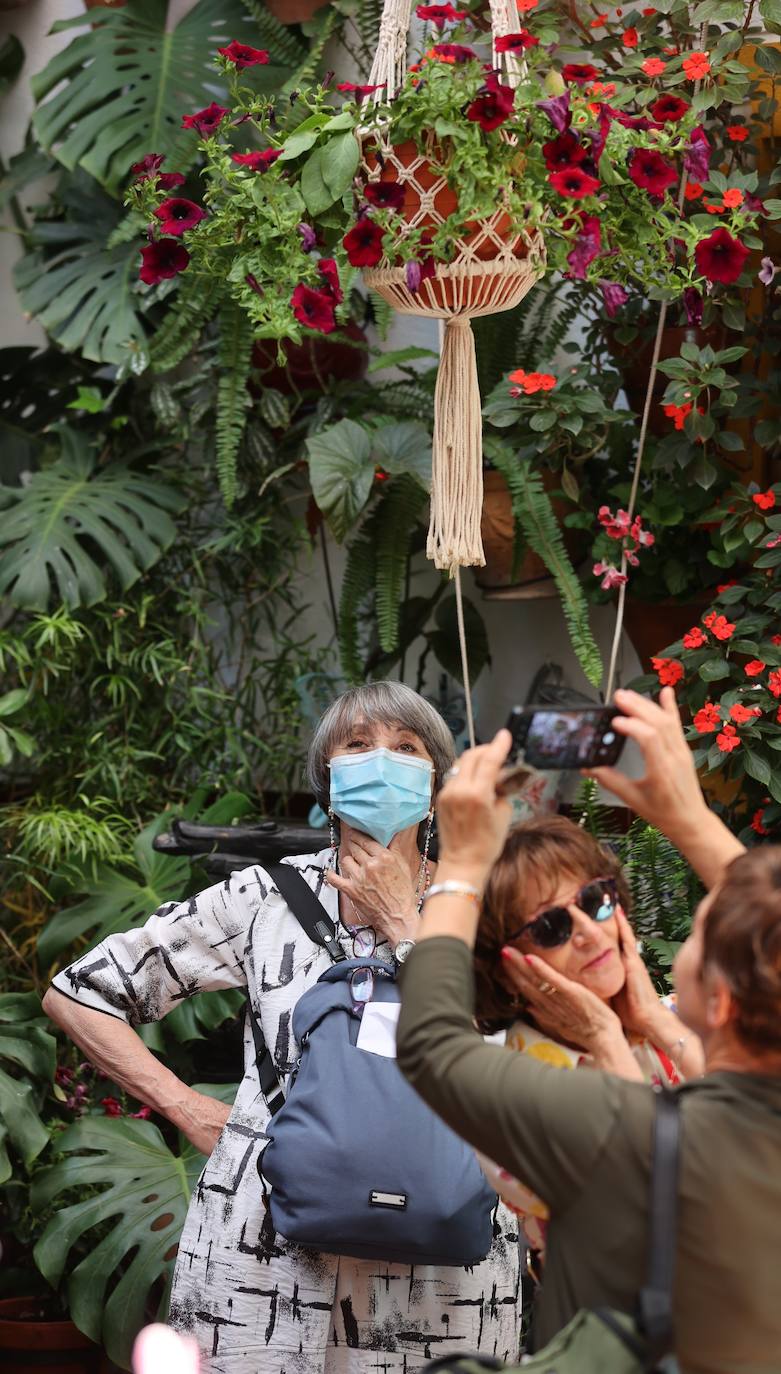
376 703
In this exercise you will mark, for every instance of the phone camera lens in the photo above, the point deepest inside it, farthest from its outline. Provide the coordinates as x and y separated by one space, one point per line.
608 737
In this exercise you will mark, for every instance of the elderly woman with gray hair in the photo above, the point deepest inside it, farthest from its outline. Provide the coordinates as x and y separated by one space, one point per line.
253 1301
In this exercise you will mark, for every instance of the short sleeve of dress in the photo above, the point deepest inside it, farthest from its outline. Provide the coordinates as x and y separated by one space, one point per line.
184 948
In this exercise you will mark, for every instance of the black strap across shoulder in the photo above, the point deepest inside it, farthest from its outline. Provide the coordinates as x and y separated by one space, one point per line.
315 921
655 1302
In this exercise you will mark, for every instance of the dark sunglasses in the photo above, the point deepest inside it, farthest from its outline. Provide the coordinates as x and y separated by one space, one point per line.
598 898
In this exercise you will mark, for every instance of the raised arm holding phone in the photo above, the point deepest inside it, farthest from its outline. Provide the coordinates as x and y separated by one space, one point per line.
582 1140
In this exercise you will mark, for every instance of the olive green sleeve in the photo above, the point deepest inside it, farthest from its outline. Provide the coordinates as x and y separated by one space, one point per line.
548 1126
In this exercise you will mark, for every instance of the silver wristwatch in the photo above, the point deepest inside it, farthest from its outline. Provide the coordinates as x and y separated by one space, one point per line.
403 950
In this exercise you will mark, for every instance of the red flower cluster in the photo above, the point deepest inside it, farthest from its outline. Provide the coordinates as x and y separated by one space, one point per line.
774 682
243 56
530 382
707 719
620 526
654 66
756 822
728 739
754 668
149 167
678 413
696 65
764 499
668 670
611 577
719 626
741 714
737 133
694 638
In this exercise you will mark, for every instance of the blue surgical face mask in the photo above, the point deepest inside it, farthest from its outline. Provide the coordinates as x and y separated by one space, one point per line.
380 792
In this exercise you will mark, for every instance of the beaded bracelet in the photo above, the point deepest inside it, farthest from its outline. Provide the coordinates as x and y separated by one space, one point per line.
456 889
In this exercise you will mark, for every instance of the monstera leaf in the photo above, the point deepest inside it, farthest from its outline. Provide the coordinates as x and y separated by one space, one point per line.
53 529
28 1051
144 1192
82 292
120 88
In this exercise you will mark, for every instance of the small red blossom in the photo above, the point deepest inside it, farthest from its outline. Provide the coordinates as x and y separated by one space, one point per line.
565 150
718 625
330 274
725 586
728 739
205 121
440 15
775 639
176 215
111 1107
363 243
694 638
257 162
530 382
678 413
649 11
452 52
599 21
764 499
707 719
754 668
241 55
696 65
388 195
629 38
168 181
737 133
650 171
693 190
740 714
147 167
314 309
774 542
668 670
492 107
143 1113
516 42
579 73
162 259
574 183
757 822
610 575
351 88
774 682
720 257
525 6
669 109
654 66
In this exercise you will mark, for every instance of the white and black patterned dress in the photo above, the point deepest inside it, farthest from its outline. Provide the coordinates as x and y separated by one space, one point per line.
256 1304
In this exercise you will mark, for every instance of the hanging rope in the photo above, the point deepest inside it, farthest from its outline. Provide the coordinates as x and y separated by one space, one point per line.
470 724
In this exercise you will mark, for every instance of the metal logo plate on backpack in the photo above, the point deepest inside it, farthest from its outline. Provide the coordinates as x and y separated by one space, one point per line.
398 1201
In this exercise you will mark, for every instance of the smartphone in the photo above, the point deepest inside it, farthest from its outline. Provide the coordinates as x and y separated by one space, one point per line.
564 737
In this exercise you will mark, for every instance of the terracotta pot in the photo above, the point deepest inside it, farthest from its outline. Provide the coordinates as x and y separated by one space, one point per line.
497 528
652 625
311 365
294 11
634 363
29 1340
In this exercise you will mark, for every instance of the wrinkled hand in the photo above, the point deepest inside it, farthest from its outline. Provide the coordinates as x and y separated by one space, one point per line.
637 1004
202 1120
379 884
669 795
471 819
569 1012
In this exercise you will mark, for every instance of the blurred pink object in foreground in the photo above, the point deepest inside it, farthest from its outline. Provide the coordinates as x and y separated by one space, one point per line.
159 1350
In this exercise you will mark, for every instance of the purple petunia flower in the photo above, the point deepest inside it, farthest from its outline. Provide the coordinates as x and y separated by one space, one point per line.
614 297
308 237
692 304
767 271
696 158
557 110
587 246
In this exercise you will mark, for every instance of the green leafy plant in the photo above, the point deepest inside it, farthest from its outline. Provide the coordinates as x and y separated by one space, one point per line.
12 739
27 1062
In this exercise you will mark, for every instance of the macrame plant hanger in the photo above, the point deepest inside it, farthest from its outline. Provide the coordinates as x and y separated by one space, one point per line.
494 266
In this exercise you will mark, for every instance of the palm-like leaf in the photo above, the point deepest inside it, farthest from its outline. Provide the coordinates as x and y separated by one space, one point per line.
79 290
145 1189
29 1052
120 88
51 527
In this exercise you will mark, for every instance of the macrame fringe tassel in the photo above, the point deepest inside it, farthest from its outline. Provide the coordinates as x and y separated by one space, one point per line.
454 538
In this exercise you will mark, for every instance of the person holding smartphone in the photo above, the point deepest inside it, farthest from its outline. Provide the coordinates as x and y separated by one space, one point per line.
583 1141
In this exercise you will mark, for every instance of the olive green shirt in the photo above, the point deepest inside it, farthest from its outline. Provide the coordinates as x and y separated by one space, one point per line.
582 1142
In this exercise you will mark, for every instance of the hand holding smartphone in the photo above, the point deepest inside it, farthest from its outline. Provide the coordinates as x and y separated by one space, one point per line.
546 737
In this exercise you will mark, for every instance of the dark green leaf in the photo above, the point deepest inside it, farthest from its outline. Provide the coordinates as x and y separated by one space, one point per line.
713 669
444 640
404 447
341 472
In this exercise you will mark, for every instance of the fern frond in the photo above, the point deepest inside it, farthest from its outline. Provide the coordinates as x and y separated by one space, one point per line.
394 521
367 22
537 519
382 312
195 303
279 38
357 584
307 71
233 398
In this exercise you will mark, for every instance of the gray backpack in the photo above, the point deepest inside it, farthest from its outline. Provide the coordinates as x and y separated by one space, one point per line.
356 1163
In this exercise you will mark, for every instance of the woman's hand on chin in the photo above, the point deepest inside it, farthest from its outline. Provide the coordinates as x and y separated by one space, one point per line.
379 884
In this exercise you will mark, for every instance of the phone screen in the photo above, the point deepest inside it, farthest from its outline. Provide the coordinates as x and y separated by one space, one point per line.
554 737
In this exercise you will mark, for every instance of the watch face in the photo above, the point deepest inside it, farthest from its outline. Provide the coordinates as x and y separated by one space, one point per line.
403 948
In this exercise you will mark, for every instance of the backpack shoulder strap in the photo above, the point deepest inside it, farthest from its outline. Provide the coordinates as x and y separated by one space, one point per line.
656 1316
313 918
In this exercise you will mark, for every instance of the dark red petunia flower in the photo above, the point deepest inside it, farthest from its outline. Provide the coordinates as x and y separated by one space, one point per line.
168 181
651 172
440 14
315 309
257 162
330 274
453 52
350 88
692 304
205 121
243 56
148 165
579 72
516 42
177 215
720 257
566 150
492 107
574 183
696 158
669 108
614 297
162 259
388 195
363 243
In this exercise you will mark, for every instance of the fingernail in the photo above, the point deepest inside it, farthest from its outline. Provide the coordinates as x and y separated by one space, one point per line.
528 958
506 952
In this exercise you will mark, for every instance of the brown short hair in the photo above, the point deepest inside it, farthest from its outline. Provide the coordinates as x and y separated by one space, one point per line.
743 939
544 849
